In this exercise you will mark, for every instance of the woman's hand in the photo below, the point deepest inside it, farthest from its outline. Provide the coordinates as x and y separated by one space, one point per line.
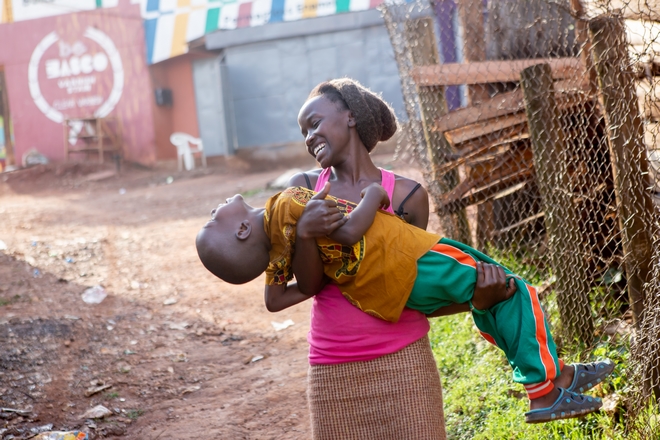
320 217
377 191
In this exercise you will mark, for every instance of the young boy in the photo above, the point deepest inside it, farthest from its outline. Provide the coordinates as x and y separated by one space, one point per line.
382 264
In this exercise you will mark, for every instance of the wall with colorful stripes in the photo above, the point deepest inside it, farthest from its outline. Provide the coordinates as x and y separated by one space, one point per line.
171 24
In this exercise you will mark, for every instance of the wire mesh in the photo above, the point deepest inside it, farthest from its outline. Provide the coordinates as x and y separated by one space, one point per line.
537 123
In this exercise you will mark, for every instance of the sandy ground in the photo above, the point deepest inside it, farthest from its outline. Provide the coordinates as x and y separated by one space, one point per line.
171 352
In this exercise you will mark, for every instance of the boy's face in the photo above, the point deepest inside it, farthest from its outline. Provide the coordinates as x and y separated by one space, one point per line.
232 212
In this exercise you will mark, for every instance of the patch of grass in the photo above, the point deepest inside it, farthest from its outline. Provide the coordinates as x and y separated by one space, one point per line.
8 301
112 395
482 401
133 414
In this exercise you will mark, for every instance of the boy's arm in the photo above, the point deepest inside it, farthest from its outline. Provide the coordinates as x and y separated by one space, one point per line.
360 219
281 296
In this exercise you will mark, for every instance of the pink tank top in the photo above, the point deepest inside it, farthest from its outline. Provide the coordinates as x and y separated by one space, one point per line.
340 332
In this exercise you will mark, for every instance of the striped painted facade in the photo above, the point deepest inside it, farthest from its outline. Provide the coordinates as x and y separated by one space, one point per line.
170 24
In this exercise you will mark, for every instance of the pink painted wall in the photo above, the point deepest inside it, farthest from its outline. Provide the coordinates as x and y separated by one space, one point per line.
79 87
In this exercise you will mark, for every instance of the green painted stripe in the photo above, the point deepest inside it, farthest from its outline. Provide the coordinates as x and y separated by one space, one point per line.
212 17
99 3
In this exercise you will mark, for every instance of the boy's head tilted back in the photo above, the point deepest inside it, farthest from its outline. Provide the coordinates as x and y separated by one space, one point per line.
233 245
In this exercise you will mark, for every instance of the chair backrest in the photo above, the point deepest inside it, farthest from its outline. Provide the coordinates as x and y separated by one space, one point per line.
185 141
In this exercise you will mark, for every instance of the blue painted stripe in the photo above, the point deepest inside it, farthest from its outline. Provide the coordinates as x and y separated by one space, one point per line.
276 11
153 5
150 37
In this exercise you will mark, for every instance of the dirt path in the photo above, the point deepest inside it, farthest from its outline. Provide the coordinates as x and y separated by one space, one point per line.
186 356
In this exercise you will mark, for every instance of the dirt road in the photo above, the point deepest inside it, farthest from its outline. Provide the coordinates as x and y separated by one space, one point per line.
171 352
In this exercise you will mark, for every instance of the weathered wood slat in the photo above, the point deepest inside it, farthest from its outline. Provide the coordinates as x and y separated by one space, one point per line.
472 131
483 72
480 194
501 104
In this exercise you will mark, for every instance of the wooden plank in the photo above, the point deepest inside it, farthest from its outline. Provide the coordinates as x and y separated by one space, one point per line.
505 103
521 223
500 137
472 131
482 72
481 194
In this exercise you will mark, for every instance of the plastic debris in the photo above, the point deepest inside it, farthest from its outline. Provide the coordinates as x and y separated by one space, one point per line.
40 429
69 260
96 389
169 180
62 435
282 325
33 157
252 359
3 246
190 390
94 295
98 412
170 301
178 325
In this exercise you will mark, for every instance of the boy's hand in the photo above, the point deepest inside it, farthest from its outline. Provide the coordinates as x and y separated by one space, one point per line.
492 287
377 191
320 217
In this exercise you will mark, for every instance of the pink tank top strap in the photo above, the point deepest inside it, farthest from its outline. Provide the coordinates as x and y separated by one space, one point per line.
323 177
387 182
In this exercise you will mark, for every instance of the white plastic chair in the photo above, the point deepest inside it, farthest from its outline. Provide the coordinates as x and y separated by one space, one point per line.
186 147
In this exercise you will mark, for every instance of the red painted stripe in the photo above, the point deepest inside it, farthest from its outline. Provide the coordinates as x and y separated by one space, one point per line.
374 3
244 15
542 335
454 253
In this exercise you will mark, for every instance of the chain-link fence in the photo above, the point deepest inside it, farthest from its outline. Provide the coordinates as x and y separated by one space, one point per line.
538 124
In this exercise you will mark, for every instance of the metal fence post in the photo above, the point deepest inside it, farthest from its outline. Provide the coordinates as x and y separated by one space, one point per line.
433 104
565 240
628 153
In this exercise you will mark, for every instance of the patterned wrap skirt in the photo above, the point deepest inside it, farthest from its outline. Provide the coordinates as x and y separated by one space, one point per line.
394 397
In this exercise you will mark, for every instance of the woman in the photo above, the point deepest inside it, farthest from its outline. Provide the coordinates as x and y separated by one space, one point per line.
368 378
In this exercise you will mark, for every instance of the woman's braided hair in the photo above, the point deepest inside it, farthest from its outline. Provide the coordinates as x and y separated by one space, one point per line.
374 118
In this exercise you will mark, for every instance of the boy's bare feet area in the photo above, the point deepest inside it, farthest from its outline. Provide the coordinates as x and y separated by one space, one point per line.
565 378
544 401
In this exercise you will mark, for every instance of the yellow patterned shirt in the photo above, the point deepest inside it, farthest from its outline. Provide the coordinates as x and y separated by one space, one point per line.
376 274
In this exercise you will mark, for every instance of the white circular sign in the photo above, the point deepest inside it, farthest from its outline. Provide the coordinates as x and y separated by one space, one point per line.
74 72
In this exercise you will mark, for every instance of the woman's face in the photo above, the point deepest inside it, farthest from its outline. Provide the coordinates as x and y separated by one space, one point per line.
326 128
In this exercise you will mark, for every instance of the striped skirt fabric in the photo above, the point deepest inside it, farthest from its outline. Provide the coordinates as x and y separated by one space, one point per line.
394 397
